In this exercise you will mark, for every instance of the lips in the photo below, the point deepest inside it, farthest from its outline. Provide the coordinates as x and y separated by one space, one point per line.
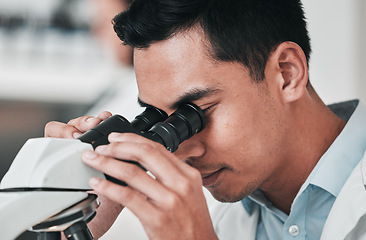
210 179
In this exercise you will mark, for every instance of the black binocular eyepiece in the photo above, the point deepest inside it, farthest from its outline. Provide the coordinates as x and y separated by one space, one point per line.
154 124
178 127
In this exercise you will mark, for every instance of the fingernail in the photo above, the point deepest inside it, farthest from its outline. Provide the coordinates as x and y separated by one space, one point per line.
89 119
100 148
76 134
94 181
89 155
114 136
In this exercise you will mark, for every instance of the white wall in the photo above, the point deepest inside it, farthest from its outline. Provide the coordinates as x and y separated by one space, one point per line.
337 30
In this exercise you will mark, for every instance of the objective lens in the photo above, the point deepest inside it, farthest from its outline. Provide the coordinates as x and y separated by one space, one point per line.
78 231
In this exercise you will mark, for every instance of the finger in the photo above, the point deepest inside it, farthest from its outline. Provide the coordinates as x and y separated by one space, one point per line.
129 173
151 156
84 123
104 115
107 213
75 127
61 130
134 138
184 168
126 196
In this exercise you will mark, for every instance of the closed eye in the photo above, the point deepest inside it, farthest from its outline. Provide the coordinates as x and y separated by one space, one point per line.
208 109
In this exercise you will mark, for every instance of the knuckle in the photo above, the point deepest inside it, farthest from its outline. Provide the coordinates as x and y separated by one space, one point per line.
114 150
82 124
57 129
195 175
100 162
186 187
48 127
103 186
129 171
126 194
50 124
73 121
172 201
147 147
83 118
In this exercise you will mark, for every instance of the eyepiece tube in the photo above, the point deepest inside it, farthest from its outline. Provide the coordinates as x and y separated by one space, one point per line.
148 118
143 122
181 125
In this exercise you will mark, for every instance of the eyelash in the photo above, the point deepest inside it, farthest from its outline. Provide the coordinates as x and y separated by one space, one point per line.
206 110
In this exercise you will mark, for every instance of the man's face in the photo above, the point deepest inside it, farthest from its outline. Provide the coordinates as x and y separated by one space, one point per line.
240 148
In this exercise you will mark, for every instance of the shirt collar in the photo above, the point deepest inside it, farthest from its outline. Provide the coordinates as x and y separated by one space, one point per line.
337 163
248 205
334 167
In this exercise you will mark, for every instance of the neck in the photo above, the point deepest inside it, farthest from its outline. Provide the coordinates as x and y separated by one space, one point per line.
315 127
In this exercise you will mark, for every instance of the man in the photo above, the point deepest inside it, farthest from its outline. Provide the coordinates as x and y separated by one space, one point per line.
288 166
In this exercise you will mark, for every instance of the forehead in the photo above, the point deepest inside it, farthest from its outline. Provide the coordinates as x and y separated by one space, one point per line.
169 69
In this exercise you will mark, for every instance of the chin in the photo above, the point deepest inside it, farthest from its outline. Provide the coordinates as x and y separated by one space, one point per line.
225 194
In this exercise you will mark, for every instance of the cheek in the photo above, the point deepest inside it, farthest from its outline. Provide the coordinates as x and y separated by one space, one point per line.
243 143
223 136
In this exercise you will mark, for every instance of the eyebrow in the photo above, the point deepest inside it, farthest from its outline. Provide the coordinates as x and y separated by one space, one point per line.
190 96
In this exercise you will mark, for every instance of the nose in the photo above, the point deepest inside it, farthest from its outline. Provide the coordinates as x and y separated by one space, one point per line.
190 148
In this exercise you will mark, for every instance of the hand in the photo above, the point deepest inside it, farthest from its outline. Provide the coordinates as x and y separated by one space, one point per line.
171 206
75 127
107 214
108 211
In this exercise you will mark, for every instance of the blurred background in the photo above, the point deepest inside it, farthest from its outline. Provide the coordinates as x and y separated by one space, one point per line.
60 59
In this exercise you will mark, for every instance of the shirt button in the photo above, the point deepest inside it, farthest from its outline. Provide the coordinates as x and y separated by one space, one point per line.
294 230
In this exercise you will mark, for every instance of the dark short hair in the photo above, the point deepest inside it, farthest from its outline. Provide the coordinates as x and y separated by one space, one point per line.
244 31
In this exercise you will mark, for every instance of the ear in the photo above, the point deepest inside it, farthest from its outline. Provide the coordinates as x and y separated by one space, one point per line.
290 71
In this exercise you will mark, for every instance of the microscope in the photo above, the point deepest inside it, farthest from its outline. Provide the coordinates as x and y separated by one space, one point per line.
46 188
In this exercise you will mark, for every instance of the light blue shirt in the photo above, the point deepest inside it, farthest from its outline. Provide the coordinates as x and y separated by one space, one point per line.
315 199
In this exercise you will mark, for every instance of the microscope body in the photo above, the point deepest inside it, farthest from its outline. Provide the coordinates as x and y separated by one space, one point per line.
46 187
46 177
